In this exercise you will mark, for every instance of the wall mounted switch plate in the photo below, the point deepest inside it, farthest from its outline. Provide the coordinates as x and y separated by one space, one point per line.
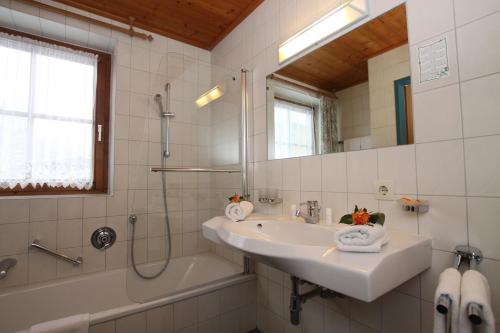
384 189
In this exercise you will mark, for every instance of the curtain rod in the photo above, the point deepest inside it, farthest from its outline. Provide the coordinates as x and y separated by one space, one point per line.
302 85
130 31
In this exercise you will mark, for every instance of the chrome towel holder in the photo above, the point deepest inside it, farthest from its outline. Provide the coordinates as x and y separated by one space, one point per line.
473 256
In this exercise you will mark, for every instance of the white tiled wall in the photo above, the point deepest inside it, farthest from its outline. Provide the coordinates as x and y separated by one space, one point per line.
454 164
228 310
141 69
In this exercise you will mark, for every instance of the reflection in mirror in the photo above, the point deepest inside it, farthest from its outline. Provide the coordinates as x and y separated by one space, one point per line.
353 93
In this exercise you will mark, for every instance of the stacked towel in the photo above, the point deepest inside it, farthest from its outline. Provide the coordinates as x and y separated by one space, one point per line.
239 211
361 238
475 289
73 324
448 286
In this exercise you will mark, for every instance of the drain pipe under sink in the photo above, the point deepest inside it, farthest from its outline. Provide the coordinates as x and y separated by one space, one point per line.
297 299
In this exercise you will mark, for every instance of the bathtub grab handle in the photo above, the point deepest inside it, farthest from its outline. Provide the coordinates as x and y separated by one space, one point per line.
75 261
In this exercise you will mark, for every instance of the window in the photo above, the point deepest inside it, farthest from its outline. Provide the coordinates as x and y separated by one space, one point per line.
54 116
293 129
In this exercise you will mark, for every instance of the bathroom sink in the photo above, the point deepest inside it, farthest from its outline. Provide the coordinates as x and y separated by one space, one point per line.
308 251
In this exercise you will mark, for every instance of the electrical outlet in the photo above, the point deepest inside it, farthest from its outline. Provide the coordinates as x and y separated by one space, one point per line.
384 189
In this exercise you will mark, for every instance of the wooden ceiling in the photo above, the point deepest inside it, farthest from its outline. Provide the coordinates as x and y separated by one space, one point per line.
202 23
343 62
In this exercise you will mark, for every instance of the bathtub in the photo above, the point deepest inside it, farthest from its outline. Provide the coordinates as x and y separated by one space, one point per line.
106 297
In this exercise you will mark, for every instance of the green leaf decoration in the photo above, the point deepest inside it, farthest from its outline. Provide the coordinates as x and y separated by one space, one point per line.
346 219
356 209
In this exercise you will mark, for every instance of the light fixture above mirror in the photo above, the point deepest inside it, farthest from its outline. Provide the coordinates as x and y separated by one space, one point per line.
341 17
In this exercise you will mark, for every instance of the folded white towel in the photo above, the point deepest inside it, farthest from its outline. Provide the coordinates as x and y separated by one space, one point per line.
239 211
475 289
361 238
449 286
72 324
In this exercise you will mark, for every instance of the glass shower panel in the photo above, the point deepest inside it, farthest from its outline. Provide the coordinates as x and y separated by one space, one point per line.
200 135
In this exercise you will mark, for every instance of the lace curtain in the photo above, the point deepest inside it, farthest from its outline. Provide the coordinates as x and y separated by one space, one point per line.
47 106
293 130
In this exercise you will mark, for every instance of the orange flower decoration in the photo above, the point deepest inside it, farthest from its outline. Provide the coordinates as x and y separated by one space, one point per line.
360 217
235 198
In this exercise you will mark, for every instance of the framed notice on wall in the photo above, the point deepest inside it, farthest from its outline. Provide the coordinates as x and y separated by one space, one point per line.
433 61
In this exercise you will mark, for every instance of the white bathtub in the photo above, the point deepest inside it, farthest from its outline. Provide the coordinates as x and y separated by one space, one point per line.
105 295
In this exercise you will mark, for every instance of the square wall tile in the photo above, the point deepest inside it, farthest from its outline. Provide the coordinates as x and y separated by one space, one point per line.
94 206
437 114
43 209
440 168
14 238
436 21
69 208
398 164
334 172
15 210
310 173
132 324
491 270
445 222
467 11
400 313
482 161
69 233
481 106
484 225
361 171
478 47
160 320
185 313
291 174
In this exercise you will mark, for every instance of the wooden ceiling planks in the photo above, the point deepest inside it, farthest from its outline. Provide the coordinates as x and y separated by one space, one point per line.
202 23
343 62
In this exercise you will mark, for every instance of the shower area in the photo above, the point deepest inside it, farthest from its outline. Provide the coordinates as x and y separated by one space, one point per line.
189 161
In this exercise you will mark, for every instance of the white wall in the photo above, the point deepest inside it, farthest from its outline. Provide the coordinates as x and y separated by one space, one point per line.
454 163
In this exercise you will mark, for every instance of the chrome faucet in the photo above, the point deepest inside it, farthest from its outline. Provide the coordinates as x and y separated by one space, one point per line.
5 265
312 214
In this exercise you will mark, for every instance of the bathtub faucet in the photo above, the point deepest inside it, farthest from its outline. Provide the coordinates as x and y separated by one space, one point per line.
5 265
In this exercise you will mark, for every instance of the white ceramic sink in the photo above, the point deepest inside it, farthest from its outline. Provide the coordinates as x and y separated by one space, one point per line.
309 252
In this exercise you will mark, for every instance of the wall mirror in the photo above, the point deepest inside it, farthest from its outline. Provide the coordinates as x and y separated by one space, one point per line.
353 93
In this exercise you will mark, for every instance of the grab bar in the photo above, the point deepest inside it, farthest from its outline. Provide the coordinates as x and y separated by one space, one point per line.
193 170
76 262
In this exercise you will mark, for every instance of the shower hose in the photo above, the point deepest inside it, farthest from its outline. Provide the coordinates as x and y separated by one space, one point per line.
133 220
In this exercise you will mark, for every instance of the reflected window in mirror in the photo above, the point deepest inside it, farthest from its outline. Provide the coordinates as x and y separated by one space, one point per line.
353 93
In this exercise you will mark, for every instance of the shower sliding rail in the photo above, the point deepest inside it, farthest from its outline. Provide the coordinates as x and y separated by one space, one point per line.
194 170
43 248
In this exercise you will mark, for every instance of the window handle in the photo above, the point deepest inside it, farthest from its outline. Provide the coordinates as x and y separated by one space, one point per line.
99 132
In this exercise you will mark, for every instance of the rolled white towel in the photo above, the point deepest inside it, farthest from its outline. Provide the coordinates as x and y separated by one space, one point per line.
448 286
475 289
72 324
239 211
361 238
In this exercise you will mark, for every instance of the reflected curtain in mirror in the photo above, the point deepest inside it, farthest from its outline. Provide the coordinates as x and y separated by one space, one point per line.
329 123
